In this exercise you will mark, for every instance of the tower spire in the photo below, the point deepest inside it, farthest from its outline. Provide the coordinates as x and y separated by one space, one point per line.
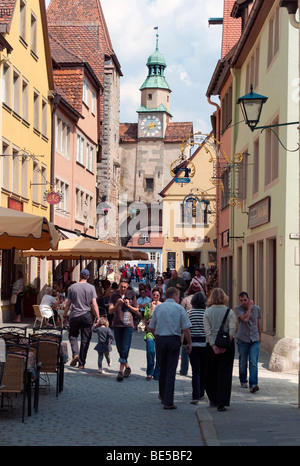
157 36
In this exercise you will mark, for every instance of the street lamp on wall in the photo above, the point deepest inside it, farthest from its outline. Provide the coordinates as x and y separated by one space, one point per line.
251 105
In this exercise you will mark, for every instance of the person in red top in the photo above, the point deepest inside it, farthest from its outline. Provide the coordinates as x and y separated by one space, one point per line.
138 274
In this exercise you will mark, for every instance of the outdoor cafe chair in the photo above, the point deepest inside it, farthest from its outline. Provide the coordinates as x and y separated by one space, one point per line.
39 317
15 376
33 364
50 357
13 333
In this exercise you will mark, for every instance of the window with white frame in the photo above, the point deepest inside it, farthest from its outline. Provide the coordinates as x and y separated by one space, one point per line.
191 212
43 183
90 154
63 207
35 181
24 177
63 135
36 110
16 91
33 34
24 111
15 171
271 154
252 70
93 103
6 84
242 178
227 109
44 117
5 165
274 36
80 149
22 31
85 93
153 256
255 170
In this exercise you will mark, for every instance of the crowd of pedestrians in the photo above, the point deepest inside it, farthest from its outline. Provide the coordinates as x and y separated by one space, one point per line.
177 314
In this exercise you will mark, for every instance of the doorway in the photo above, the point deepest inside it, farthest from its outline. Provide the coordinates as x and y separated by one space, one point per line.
191 261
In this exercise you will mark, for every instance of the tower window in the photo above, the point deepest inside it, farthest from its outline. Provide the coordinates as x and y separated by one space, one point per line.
149 96
149 184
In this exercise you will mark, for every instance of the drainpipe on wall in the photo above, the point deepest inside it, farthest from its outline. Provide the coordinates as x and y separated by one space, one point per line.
218 126
233 145
55 102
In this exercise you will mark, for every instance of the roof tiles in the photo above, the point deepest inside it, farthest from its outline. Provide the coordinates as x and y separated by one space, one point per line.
175 132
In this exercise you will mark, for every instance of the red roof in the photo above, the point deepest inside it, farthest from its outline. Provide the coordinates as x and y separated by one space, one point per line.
128 132
81 27
78 12
175 132
68 83
231 28
6 8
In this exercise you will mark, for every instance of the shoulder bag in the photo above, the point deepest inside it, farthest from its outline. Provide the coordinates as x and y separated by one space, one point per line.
223 337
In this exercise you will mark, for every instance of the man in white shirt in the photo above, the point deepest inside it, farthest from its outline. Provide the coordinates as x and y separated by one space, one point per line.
169 319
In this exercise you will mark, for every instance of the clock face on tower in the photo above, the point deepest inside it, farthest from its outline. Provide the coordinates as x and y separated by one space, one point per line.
150 126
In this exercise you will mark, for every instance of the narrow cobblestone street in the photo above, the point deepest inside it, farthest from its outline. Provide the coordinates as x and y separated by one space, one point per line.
96 410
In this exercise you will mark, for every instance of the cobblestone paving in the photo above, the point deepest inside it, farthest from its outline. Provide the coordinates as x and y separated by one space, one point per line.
96 410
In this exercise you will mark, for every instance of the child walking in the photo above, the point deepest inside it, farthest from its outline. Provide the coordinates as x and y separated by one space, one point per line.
105 339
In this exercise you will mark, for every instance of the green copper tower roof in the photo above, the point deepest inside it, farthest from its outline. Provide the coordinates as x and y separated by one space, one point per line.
156 67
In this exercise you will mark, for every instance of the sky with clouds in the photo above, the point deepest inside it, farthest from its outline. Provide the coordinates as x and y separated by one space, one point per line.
190 46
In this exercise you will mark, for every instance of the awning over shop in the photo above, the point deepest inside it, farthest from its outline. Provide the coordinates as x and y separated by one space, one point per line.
83 248
24 231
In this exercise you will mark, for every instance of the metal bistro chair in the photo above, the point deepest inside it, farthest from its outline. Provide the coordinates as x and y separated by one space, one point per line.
39 316
50 359
33 367
14 378
13 333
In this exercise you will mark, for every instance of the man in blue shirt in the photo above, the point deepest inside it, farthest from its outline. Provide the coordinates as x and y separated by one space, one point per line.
143 300
248 340
168 321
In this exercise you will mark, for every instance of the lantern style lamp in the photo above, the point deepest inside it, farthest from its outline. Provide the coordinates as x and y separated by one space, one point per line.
251 106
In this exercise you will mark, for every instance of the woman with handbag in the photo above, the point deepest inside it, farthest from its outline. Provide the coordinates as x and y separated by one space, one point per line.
219 359
152 368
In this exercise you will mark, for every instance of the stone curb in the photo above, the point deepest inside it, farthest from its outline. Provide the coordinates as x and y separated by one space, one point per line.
207 428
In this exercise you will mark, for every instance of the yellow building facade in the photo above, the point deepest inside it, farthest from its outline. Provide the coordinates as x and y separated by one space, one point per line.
27 83
26 123
189 214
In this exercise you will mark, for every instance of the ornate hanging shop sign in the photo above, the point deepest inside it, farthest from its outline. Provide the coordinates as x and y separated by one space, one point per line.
53 197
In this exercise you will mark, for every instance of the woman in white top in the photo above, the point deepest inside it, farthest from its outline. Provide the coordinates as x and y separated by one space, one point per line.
219 360
111 276
48 303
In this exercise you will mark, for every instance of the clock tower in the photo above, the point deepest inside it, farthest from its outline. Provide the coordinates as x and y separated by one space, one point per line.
149 146
154 112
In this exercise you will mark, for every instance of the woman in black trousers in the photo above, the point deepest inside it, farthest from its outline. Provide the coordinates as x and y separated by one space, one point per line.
219 361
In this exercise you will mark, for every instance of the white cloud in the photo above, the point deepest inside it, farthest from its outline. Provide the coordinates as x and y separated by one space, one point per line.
191 49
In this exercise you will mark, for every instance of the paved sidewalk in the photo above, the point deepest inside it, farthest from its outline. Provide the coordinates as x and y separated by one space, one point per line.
96 410
269 417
